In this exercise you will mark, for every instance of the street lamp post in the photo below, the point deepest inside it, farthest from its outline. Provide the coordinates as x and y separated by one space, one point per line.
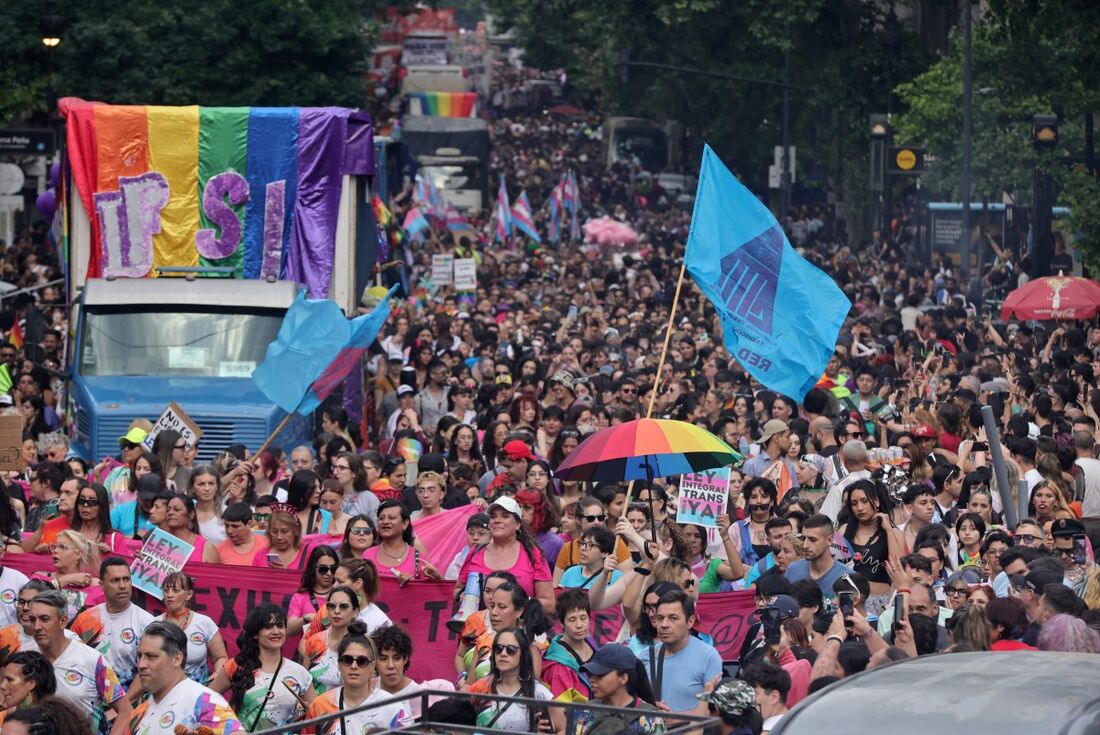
879 131
967 134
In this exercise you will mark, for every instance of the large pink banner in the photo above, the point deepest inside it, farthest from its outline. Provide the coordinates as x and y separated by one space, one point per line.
226 593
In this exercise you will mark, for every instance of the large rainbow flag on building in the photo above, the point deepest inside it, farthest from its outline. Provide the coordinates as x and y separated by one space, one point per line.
444 104
251 188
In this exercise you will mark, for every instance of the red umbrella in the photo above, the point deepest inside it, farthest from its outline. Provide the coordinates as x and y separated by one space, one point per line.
1054 297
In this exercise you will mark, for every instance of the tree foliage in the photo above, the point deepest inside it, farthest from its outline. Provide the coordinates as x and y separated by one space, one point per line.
214 52
837 61
1029 57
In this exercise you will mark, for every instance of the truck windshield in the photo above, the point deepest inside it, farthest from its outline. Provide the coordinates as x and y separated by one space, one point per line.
176 341
645 146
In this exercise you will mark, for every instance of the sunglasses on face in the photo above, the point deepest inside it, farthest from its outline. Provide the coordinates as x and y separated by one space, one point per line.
1027 538
261 517
360 661
326 569
956 591
361 531
338 605
87 502
595 519
507 648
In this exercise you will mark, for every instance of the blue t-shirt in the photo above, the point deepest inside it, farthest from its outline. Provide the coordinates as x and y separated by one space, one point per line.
123 517
684 673
801 570
575 576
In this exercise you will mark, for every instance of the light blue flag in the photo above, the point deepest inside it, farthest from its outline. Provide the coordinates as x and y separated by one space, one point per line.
780 314
315 349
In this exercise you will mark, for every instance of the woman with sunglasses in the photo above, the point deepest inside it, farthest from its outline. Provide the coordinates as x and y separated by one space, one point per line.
205 647
359 536
265 688
91 518
318 578
361 576
357 659
320 649
512 673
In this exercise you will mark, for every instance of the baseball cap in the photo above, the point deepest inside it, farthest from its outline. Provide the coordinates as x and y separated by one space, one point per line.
477 520
516 449
1067 528
732 696
612 657
771 428
432 462
504 379
1040 578
924 431
507 503
136 435
405 390
6 399
785 604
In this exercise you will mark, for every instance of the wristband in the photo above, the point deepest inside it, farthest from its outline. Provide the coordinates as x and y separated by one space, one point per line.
901 590
836 638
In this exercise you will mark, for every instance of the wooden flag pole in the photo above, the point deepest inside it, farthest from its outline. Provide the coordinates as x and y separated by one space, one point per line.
661 363
267 443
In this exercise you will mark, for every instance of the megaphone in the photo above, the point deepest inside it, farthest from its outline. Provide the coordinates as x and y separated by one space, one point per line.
469 604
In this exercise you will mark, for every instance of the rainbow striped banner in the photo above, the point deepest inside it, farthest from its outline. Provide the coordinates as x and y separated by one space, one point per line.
251 188
443 104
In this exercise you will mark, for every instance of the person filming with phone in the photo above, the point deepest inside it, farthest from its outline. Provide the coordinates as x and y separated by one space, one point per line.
1072 549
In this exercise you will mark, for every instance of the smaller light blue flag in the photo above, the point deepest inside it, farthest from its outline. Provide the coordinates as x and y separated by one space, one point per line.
780 314
315 349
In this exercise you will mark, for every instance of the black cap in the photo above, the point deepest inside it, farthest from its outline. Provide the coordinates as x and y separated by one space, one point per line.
1067 528
432 462
1040 578
612 657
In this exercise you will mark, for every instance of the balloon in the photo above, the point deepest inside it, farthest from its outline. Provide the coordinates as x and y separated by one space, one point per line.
409 449
55 173
47 203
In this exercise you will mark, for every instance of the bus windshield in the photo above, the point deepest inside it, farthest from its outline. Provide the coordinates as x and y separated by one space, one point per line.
176 341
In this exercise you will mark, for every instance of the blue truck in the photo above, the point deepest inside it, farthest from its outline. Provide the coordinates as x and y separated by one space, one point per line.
142 342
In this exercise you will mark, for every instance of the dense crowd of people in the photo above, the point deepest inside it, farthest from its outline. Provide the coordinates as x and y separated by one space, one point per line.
866 518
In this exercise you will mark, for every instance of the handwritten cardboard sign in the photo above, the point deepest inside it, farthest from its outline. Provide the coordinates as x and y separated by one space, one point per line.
11 443
443 270
703 497
465 274
176 419
160 555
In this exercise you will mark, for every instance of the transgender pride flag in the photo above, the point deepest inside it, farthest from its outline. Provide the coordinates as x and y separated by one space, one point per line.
316 348
521 218
503 213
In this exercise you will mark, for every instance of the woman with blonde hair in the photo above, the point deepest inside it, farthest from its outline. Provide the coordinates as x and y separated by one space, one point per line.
75 564
969 626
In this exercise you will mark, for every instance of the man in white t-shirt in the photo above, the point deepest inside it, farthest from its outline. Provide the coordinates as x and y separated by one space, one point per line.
114 627
11 581
83 676
176 700
772 685
1085 445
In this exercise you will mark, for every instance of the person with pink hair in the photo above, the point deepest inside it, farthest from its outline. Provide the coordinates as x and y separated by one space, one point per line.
1067 633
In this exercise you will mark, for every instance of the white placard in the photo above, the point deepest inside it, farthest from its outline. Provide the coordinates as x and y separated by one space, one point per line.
465 274
443 270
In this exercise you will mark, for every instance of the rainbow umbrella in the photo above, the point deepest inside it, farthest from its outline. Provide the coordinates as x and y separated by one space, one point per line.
643 449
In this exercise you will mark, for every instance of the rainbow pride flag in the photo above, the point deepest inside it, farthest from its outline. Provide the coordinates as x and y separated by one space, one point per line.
444 104
256 189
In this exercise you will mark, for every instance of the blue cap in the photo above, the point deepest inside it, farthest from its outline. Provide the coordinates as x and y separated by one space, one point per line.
612 657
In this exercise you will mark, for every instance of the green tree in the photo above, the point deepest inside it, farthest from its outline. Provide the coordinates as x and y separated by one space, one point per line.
836 59
214 52
1029 57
